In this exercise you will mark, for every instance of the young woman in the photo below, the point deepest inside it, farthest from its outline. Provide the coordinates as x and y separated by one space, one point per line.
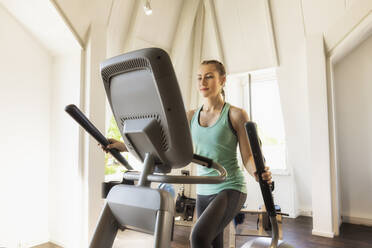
216 129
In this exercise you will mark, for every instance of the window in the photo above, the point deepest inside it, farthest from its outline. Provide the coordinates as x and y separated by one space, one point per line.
258 93
113 169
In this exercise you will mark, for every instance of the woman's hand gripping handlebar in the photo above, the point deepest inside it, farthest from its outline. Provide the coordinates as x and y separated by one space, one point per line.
84 122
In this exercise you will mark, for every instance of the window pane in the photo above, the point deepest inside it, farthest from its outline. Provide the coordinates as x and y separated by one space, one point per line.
267 113
134 162
113 169
233 90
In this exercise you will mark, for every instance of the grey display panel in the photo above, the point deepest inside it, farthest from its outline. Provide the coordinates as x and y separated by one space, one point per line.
143 92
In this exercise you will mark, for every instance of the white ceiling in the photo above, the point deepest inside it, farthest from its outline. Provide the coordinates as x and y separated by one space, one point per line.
237 32
41 19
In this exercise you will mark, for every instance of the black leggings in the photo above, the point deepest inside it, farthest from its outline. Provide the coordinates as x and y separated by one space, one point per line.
214 213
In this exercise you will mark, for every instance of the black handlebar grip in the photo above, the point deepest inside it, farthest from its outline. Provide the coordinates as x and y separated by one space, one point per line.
85 123
251 130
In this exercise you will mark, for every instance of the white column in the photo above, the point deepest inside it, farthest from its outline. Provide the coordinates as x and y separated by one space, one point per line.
197 53
94 108
319 136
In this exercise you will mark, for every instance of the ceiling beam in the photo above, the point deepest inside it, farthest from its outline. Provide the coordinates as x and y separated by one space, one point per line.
184 30
209 4
128 44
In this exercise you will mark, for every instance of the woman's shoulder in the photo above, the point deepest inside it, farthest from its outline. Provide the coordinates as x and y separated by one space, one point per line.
238 115
190 114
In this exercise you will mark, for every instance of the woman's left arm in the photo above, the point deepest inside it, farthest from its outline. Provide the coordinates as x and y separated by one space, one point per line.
238 118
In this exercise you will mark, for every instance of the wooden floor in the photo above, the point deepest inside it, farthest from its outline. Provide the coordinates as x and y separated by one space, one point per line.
297 232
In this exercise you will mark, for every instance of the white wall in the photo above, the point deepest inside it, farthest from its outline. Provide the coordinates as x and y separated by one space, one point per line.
291 74
25 105
319 15
353 86
293 20
336 21
319 136
64 175
246 35
94 108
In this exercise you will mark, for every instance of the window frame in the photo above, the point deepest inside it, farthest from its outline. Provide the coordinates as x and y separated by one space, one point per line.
246 80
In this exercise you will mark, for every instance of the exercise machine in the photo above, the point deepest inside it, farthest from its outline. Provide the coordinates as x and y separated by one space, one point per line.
146 101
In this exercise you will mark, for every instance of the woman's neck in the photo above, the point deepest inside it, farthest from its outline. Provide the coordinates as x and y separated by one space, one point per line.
213 103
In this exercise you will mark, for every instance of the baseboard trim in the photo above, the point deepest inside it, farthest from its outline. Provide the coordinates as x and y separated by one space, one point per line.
323 234
307 213
47 245
357 220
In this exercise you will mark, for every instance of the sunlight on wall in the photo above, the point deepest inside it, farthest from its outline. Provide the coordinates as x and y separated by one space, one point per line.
39 179
25 68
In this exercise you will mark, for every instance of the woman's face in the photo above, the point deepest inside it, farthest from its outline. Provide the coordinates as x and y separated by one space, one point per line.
210 82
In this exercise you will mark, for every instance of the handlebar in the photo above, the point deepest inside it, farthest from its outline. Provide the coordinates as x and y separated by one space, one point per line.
251 130
84 122
88 126
135 175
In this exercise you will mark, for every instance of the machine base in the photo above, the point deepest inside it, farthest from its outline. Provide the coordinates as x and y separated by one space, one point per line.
265 243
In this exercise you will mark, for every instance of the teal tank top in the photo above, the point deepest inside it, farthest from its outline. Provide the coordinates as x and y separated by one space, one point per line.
219 143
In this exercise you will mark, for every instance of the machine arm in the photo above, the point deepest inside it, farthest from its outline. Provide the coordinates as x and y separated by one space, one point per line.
250 128
84 122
